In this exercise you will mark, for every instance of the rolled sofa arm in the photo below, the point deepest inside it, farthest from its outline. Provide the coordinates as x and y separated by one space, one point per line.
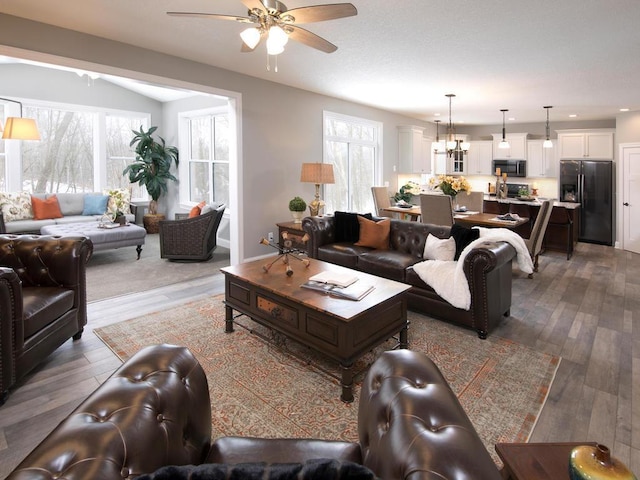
489 273
153 411
11 312
412 426
321 231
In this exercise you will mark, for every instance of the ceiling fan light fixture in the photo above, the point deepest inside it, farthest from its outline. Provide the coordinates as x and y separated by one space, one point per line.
250 37
504 143
276 41
547 143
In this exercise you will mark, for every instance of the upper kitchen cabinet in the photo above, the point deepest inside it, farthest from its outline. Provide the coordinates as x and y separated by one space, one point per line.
517 146
541 162
594 144
414 150
479 158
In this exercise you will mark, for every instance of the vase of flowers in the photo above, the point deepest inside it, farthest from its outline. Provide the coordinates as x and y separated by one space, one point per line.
451 186
406 192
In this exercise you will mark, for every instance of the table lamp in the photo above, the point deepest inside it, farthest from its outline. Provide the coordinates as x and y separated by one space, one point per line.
318 173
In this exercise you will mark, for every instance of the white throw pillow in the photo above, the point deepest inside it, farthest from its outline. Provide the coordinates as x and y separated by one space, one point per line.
439 248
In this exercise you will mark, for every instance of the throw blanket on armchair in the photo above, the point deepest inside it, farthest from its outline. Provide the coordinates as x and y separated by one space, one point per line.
447 278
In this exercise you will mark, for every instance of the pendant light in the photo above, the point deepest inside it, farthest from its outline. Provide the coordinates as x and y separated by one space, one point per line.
438 146
547 143
503 143
453 145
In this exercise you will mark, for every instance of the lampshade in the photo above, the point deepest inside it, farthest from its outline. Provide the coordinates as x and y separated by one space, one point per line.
17 128
251 37
318 173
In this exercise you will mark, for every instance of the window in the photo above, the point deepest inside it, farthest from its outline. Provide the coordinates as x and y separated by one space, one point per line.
208 156
3 154
80 150
352 145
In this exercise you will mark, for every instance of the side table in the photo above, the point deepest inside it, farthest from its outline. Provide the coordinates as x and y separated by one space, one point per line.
536 461
295 232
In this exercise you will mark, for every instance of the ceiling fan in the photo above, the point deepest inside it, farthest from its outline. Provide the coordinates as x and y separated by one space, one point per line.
272 19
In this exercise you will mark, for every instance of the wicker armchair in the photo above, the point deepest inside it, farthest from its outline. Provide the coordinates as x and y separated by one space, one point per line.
190 239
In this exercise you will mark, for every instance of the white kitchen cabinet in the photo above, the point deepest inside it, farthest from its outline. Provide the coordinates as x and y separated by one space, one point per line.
480 157
541 162
412 157
517 146
592 144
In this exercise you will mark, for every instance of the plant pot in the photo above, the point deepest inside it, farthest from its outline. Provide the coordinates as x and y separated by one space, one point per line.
297 216
151 222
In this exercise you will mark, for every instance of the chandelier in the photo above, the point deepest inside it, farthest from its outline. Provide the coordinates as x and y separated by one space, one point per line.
438 146
454 146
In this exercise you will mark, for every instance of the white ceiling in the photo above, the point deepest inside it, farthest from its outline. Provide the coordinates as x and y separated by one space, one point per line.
581 56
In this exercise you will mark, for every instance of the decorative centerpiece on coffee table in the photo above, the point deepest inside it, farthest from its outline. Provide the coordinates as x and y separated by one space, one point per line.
286 253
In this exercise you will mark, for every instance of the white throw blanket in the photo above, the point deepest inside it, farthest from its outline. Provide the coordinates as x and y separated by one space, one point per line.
447 278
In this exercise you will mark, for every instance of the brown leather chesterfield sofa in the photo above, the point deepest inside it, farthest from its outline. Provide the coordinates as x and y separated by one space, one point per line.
43 300
155 411
488 269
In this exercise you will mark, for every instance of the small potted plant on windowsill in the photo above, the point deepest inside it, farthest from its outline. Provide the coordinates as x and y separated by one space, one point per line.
297 206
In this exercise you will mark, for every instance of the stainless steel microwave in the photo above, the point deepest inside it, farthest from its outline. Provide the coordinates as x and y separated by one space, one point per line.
513 168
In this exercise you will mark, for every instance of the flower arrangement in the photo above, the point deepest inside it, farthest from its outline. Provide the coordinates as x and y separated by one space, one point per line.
406 191
119 201
450 185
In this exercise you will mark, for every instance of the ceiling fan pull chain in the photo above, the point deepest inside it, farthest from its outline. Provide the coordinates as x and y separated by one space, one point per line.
276 69
268 64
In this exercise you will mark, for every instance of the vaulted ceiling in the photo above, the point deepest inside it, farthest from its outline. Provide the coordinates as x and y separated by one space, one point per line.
581 56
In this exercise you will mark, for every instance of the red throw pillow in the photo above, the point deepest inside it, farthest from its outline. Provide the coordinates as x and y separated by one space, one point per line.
45 209
195 211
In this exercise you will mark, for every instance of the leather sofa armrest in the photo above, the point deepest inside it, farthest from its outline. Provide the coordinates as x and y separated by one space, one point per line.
411 424
321 231
280 450
492 255
153 411
10 327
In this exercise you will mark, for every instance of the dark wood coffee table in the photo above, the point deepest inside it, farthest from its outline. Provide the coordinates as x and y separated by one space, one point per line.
536 461
341 329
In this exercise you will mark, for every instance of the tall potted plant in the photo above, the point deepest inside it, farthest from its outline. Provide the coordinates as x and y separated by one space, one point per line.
152 166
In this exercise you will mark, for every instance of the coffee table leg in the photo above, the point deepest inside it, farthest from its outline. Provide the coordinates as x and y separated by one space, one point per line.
228 319
139 250
347 383
404 341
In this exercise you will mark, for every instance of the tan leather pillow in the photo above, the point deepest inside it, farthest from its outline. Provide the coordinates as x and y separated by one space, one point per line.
374 234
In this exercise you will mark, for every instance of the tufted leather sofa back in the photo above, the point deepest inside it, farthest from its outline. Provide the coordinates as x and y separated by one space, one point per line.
43 261
153 411
410 237
411 425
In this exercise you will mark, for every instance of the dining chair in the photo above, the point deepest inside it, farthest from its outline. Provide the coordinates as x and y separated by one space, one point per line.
381 199
436 209
474 201
534 242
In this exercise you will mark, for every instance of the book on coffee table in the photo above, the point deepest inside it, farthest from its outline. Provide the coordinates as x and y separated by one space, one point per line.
334 278
355 291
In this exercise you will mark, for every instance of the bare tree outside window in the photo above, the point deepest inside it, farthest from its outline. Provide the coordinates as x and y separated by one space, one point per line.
62 161
351 145
209 158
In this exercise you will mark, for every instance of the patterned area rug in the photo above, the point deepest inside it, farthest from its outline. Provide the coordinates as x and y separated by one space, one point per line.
259 389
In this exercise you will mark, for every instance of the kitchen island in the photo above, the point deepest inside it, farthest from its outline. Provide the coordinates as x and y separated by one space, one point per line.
564 224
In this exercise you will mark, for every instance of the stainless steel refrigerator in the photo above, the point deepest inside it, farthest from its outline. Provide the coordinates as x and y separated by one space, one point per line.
590 183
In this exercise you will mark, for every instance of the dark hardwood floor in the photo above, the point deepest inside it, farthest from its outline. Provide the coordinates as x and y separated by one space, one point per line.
587 310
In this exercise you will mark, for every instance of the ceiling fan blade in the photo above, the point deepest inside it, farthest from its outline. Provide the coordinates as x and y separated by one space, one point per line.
319 13
214 16
310 39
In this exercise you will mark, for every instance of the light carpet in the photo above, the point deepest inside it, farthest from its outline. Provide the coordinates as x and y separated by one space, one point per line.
257 389
111 273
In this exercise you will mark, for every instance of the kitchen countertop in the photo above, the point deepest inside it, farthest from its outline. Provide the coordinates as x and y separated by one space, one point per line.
536 201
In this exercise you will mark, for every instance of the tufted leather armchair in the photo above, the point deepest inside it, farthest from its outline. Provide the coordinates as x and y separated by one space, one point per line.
155 411
43 300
